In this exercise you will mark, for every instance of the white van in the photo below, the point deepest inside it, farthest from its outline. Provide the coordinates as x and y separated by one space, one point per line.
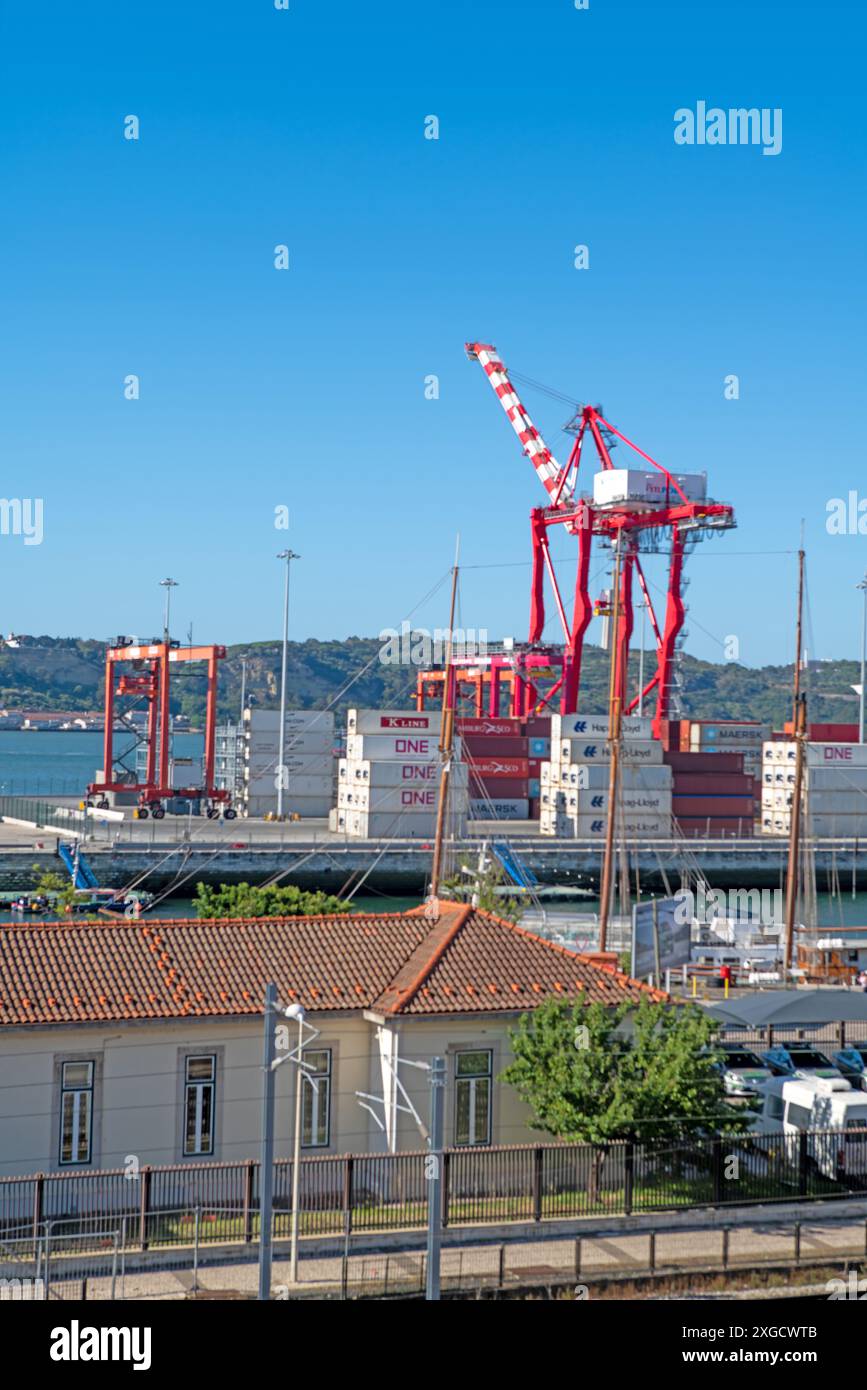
820 1103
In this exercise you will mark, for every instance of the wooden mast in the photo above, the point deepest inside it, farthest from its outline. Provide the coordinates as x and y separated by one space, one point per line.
614 741
799 731
446 737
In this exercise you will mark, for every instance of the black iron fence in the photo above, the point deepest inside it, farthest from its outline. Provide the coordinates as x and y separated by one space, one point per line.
388 1192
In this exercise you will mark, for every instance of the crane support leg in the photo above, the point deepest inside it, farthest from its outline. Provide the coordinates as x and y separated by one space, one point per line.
674 614
625 633
538 534
582 612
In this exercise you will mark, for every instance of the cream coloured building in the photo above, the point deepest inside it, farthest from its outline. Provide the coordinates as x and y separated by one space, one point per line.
125 1044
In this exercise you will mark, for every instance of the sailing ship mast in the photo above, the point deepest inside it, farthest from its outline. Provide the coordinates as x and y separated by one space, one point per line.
446 737
799 732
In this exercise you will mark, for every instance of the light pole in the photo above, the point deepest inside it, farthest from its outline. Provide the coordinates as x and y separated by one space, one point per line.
288 556
270 1063
168 585
863 587
296 1141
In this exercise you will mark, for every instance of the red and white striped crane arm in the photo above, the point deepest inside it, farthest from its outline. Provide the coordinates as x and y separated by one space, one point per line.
549 471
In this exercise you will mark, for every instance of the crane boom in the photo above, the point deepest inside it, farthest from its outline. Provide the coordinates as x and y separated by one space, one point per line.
548 469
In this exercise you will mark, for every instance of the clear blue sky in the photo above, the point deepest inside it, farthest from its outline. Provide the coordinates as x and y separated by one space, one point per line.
306 387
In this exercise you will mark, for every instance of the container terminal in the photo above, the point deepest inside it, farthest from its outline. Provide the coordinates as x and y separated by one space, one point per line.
495 750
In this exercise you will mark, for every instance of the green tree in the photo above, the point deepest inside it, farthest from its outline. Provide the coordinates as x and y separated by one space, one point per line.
246 900
649 1073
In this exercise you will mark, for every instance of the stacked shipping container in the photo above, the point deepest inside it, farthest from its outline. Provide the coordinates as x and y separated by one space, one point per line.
716 766
504 758
308 762
575 780
834 788
388 783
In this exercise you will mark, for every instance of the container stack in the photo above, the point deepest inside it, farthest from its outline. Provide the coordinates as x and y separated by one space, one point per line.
712 794
834 798
308 759
388 783
504 757
574 780
744 736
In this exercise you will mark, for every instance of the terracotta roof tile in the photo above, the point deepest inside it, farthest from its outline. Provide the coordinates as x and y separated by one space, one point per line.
69 972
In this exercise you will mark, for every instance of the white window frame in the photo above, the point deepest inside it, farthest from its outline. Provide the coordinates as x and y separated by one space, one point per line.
80 1095
472 1082
313 1093
200 1085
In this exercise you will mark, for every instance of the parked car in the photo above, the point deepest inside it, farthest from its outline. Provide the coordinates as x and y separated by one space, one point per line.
799 1059
743 1070
852 1062
830 1112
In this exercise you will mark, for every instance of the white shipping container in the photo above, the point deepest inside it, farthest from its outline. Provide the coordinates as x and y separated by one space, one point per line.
255 718
595 726
267 785
406 748
393 721
304 806
652 486
397 774
594 803
833 755
834 778
298 745
595 776
374 825
836 803
584 827
510 809
581 751
414 800
849 827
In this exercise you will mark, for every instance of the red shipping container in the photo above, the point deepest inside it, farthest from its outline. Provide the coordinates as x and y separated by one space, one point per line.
499 767
706 784
669 733
499 788
488 727
704 762
535 808
725 806
538 726
494 746
533 767
715 827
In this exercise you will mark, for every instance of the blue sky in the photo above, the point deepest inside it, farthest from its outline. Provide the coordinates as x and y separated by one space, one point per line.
305 388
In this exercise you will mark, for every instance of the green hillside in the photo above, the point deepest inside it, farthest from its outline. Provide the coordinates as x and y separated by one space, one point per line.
47 673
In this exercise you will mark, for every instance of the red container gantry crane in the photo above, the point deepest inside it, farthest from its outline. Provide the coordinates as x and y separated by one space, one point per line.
638 521
150 680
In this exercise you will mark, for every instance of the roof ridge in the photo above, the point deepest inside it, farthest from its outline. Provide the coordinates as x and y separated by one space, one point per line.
403 996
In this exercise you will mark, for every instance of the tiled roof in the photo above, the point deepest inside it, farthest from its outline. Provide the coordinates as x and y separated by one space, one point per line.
401 964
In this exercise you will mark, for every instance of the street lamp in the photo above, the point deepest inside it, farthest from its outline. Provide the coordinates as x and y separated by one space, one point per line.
270 1063
863 587
168 585
288 556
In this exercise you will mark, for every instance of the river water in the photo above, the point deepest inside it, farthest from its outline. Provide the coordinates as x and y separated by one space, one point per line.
60 763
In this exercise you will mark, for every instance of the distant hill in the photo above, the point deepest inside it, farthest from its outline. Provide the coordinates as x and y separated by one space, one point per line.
44 673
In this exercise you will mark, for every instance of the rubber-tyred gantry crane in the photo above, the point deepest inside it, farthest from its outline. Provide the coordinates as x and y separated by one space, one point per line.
149 681
643 510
